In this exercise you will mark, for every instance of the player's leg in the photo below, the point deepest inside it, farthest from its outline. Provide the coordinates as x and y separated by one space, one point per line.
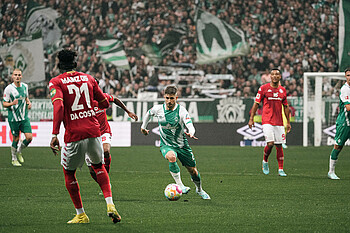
25 128
269 138
171 155
196 178
106 143
341 136
72 157
280 138
14 126
94 152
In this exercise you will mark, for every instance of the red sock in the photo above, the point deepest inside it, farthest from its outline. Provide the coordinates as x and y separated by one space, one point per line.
267 152
73 188
102 179
280 157
108 163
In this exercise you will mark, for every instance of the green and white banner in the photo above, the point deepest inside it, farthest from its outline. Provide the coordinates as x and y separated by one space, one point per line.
44 19
217 40
344 34
111 51
26 54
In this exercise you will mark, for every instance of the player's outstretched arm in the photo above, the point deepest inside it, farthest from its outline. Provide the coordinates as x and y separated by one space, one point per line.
120 103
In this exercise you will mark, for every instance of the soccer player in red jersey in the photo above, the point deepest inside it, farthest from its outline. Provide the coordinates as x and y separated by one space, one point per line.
106 133
273 96
72 96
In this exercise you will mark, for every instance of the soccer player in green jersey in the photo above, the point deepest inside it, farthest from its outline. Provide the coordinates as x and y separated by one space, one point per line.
17 103
172 120
342 125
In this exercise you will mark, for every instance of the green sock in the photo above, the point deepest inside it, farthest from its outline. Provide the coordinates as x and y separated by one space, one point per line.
197 181
173 167
14 144
334 154
25 142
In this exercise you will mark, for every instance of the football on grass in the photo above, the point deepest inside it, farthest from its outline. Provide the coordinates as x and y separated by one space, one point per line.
173 192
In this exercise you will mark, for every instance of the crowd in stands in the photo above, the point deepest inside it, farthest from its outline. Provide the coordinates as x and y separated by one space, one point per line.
295 36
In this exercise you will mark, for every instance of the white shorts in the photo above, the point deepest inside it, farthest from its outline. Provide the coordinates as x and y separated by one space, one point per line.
73 153
106 138
274 133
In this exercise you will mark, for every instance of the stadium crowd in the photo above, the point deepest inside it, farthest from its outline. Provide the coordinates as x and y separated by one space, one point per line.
296 36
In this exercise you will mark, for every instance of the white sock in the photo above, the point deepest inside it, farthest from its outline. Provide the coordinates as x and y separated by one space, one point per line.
198 185
21 147
332 165
13 153
177 178
80 211
109 200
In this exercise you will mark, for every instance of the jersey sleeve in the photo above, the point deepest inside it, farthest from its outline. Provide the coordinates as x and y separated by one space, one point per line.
259 95
55 91
345 95
7 95
109 97
187 120
284 100
150 113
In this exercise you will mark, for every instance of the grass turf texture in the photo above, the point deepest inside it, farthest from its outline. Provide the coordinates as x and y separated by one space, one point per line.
33 197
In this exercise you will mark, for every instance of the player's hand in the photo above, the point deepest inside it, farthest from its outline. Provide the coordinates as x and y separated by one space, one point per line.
55 145
145 131
133 116
15 102
29 105
251 123
288 128
191 136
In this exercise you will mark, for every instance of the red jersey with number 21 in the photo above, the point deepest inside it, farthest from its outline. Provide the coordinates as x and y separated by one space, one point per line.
272 99
77 91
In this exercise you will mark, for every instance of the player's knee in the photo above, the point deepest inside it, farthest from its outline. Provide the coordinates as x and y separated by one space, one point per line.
171 157
270 144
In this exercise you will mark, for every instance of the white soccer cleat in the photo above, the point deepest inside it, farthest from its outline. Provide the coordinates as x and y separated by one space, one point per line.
185 189
203 194
333 176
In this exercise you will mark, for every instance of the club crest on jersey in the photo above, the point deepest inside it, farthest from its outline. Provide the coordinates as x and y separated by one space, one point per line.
52 92
281 90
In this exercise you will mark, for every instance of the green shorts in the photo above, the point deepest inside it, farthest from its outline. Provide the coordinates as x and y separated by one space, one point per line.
184 154
23 126
342 134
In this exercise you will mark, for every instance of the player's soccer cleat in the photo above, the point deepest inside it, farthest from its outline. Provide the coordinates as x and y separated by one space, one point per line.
333 176
265 167
113 213
203 195
20 157
80 218
15 163
281 173
185 189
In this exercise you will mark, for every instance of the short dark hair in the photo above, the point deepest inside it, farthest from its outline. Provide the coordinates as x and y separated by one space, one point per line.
276 69
66 59
170 90
347 69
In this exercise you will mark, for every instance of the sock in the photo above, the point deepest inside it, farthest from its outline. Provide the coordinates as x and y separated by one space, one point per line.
177 178
25 142
13 153
14 144
109 200
197 181
267 152
280 157
80 211
173 167
102 179
333 160
93 174
73 188
108 163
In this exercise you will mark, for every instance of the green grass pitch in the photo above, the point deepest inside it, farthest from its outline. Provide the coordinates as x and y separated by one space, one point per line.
33 198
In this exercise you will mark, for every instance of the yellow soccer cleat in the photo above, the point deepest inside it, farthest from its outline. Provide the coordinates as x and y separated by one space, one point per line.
16 163
80 218
20 157
113 213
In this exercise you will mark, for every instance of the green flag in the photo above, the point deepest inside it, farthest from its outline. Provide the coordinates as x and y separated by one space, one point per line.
217 40
44 19
26 54
111 51
344 35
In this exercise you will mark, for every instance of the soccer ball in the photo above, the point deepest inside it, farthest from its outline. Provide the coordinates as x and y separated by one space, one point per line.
173 192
